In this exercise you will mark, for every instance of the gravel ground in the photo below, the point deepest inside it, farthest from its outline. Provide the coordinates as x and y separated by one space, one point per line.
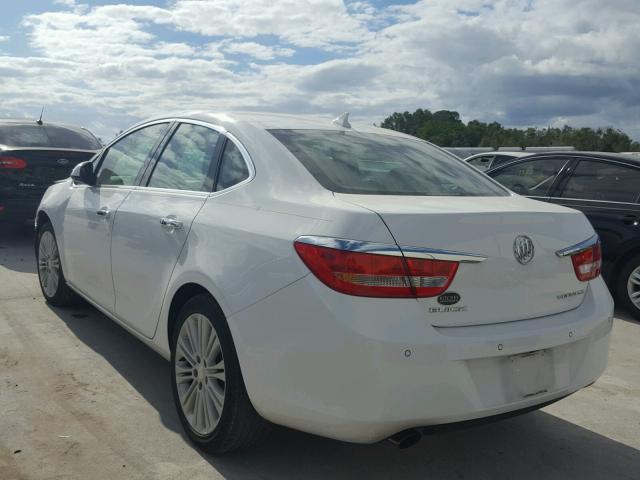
82 399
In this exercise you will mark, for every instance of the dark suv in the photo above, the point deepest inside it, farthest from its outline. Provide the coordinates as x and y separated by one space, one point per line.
33 155
606 187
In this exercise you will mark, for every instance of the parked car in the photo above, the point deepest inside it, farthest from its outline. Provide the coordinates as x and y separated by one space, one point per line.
487 160
353 283
606 188
33 155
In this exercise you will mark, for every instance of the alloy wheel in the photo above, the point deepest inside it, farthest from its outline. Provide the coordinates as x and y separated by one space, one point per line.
200 374
48 263
633 287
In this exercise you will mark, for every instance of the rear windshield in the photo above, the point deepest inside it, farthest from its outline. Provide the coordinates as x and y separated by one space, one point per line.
375 164
51 136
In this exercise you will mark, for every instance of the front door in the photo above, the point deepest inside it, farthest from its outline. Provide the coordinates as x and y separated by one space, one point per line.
91 211
153 223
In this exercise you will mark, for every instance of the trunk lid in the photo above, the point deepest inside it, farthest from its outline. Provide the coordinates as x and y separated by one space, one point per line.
499 289
42 167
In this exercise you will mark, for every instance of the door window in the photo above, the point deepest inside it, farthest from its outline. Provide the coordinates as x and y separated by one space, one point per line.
593 180
502 159
185 163
533 178
233 168
124 160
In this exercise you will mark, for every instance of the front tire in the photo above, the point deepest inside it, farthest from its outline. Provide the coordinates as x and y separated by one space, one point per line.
207 383
628 287
52 282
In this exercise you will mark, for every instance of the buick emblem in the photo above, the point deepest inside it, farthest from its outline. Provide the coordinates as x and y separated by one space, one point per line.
523 249
63 161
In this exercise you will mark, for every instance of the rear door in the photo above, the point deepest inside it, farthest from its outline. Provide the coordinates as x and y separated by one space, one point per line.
607 193
153 222
91 210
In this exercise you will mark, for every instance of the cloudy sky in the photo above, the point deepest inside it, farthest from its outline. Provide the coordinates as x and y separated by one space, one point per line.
105 64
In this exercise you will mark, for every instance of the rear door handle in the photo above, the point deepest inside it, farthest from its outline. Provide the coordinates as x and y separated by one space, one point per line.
630 220
171 222
103 212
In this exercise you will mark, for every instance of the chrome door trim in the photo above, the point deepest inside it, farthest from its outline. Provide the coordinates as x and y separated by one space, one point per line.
578 247
391 250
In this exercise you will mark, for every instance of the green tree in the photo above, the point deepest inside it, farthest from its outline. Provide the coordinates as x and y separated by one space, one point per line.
445 128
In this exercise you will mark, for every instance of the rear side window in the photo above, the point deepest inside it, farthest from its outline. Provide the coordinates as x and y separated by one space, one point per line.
533 178
233 168
185 163
611 182
377 164
124 160
42 136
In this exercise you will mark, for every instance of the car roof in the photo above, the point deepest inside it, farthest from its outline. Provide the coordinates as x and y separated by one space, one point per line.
615 157
508 153
631 159
29 122
233 120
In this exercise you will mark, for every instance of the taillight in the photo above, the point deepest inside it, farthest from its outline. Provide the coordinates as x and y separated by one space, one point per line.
12 163
588 263
377 275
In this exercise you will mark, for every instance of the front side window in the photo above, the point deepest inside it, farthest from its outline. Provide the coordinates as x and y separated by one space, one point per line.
594 180
377 164
185 163
533 178
124 160
233 168
502 159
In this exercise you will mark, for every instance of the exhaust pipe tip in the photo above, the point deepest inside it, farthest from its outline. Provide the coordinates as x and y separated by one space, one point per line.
406 438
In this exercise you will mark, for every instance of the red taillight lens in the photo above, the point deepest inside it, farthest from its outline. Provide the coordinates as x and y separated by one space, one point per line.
375 275
12 163
588 263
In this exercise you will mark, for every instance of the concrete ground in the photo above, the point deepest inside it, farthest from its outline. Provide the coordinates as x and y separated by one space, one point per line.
82 399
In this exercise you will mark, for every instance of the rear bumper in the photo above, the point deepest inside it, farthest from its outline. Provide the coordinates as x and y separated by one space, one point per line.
22 209
362 369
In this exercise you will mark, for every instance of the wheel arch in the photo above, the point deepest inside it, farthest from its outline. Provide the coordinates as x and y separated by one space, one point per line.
620 263
182 296
41 218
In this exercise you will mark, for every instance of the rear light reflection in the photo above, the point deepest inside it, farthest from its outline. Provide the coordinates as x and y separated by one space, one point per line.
377 275
588 263
12 163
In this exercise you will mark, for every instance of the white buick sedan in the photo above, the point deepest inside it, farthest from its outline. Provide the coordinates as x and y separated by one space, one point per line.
348 281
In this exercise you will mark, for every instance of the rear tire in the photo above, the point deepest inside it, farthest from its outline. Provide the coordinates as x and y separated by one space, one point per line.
207 384
628 288
52 282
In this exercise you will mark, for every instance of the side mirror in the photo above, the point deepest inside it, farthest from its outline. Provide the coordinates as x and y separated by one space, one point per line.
83 173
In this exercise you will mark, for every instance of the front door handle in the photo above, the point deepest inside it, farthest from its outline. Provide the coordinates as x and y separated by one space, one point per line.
103 212
630 220
171 222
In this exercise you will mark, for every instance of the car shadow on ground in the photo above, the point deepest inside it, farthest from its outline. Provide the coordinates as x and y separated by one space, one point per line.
531 446
17 248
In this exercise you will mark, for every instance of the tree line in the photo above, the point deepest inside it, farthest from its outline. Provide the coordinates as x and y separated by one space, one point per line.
444 128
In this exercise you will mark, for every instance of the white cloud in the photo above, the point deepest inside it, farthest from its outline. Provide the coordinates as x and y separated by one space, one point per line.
258 51
516 61
4 38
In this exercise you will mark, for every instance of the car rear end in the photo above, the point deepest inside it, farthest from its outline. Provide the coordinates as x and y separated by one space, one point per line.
480 302
32 157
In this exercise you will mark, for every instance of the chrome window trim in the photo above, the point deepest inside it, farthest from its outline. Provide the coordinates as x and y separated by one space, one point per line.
391 250
578 247
222 131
